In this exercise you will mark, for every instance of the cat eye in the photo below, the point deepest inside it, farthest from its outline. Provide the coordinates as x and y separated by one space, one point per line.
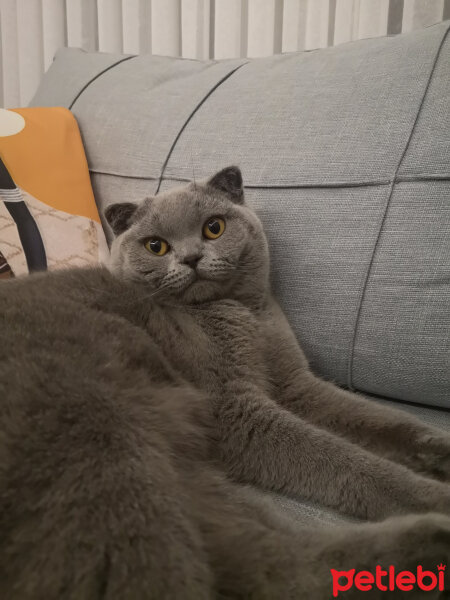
213 228
158 247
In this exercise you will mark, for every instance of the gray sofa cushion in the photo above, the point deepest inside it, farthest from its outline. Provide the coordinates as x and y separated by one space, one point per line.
345 155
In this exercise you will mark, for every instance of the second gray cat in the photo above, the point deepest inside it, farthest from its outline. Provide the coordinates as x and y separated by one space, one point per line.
142 407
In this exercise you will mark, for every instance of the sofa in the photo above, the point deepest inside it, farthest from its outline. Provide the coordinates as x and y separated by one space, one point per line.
345 154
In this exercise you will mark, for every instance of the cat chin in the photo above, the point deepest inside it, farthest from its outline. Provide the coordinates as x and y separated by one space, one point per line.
200 291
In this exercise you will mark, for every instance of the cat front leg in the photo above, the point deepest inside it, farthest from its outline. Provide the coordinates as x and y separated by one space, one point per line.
386 431
269 447
258 552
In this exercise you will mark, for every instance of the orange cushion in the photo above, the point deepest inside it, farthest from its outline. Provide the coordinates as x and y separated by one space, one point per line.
48 215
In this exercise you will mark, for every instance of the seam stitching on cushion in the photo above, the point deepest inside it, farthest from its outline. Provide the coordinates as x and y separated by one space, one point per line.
423 177
293 186
185 124
395 179
97 76
124 175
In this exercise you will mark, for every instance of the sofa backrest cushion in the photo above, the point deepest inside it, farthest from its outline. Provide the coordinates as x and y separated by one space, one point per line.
345 156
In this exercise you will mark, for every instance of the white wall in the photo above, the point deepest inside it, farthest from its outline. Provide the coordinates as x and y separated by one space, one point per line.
32 30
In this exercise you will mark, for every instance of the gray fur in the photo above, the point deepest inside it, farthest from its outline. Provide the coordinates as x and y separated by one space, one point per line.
139 403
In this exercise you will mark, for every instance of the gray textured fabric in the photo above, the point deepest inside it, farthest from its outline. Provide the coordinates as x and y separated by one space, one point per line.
332 116
71 70
407 300
428 153
307 513
325 140
319 259
130 116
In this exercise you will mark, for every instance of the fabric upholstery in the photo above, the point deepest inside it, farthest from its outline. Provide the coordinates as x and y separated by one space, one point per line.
344 153
48 215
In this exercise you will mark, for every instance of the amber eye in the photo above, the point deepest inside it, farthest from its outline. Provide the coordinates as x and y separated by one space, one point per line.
158 247
213 228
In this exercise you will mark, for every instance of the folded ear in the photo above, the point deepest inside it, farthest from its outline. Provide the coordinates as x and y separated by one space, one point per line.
229 180
119 215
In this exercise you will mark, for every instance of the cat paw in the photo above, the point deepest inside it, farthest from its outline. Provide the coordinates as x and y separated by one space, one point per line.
421 539
433 532
433 455
437 498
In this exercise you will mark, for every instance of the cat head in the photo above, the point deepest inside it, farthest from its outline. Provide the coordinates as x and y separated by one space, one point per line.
193 244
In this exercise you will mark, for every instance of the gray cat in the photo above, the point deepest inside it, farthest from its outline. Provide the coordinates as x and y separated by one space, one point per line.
142 407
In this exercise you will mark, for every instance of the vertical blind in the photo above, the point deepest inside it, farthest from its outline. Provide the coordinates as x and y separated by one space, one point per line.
32 30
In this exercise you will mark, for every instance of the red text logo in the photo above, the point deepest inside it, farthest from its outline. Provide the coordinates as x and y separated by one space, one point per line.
388 580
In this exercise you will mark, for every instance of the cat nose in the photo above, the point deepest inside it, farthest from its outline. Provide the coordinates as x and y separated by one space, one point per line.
192 260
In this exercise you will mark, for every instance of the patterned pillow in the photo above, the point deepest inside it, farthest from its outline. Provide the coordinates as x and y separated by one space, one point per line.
48 216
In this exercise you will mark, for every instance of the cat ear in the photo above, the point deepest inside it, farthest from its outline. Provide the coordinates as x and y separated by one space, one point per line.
229 180
119 215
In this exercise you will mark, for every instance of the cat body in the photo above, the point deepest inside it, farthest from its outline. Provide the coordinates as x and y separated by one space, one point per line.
143 407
